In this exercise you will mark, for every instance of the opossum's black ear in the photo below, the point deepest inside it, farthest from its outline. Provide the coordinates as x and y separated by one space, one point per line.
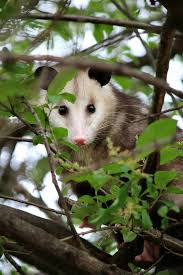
102 77
46 75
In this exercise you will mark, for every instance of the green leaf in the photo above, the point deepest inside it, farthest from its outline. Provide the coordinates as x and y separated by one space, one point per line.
78 177
70 145
38 140
116 168
162 178
102 217
146 220
162 211
128 236
38 172
60 132
98 32
175 190
54 98
86 199
59 170
159 132
169 153
60 80
41 114
63 29
68 96
98 179
28 117
122 197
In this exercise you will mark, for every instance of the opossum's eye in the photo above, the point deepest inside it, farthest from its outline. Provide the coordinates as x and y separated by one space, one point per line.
91 108
63 110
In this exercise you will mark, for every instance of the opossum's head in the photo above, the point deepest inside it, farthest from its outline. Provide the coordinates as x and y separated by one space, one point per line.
95 102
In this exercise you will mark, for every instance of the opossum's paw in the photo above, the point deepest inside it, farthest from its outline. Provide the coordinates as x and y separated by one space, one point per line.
150 253
86 223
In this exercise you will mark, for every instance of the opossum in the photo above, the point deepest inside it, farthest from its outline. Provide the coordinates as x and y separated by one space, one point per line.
101 110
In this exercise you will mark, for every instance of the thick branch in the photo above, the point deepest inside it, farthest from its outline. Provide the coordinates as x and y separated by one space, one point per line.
164 55
65 256
33 259
52 170
52 227
175 9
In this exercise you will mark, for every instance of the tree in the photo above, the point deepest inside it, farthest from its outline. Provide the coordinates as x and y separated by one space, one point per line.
52 244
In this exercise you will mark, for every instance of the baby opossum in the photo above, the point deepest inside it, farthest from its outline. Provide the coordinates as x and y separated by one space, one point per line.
100 110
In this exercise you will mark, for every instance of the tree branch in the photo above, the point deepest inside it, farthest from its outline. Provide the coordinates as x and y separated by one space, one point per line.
52 170
14 264
93 20
31 203
81 63
164 54
61 254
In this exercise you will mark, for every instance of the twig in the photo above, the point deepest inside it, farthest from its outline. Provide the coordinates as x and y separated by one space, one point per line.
111 40
93 20
54 179
158 114
14 264
126 12
46 32
33 204
81 63
17 138
12 111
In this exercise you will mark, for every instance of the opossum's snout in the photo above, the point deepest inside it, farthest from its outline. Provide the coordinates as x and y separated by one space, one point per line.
79 119
79 140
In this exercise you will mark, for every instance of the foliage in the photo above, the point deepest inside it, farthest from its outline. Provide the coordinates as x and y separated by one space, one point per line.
124 194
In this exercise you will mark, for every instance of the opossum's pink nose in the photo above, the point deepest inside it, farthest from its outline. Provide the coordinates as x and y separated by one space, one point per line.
79 140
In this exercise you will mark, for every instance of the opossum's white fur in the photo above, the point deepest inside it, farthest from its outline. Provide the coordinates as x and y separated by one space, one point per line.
78 121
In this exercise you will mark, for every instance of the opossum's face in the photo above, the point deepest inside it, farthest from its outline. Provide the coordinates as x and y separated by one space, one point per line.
87 116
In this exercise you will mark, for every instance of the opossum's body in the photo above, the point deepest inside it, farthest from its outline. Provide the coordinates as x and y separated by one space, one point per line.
101 111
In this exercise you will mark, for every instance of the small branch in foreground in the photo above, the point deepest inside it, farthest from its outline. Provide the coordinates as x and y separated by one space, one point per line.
81 63
19 117
33 204
54 179
14 264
